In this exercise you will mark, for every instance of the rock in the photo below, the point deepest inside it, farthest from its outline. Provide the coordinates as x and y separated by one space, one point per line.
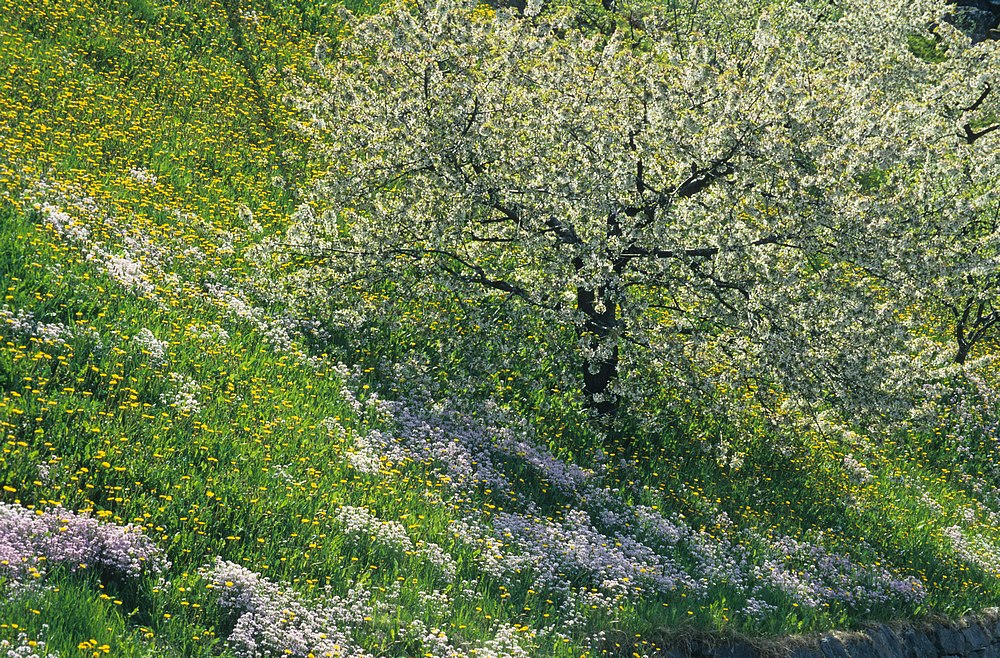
991 626
975 23
949 641
735 651
673 653
831 647
975 637
805 652
916 644
861 648
886 643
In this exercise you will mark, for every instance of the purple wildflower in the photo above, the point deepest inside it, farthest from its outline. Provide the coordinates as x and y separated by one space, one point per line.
30 539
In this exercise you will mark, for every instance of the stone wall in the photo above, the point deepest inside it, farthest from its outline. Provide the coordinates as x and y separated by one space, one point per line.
974 636
970 637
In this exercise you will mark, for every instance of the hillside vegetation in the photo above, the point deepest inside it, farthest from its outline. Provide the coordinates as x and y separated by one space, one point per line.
201 459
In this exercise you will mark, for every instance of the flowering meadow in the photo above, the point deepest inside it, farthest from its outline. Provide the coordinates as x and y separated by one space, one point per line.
206 453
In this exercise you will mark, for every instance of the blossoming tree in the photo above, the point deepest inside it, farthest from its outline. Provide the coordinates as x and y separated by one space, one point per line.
932 229
640 175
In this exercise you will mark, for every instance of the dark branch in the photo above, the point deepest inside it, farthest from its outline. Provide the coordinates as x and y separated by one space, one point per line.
971 136
480 276
980 100
701 179
472 116
703 252
565 233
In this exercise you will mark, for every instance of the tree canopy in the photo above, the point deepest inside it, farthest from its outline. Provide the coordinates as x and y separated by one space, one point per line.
795 182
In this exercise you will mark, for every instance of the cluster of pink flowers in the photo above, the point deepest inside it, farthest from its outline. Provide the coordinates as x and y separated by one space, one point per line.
361 525
603 545
270 620
812 576
32 539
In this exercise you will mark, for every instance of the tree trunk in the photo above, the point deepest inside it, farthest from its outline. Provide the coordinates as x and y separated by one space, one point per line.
963 344
962 354
599 373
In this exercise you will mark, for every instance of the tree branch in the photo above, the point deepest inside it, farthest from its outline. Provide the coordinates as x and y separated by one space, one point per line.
979 101
699 180
703 252
971 136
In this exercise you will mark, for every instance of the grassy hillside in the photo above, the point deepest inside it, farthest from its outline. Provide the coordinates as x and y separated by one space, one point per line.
192 466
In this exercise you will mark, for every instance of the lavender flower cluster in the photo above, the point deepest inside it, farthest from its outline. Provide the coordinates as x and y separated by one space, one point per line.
857 469
184 396
977 550
30 539
282 332
23 323
278 332
571 550
813 576
359 523
435 643
472 455
273 621
144 176
71 215
602 549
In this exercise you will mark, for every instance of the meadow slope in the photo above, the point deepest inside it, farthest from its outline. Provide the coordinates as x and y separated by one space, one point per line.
194 465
